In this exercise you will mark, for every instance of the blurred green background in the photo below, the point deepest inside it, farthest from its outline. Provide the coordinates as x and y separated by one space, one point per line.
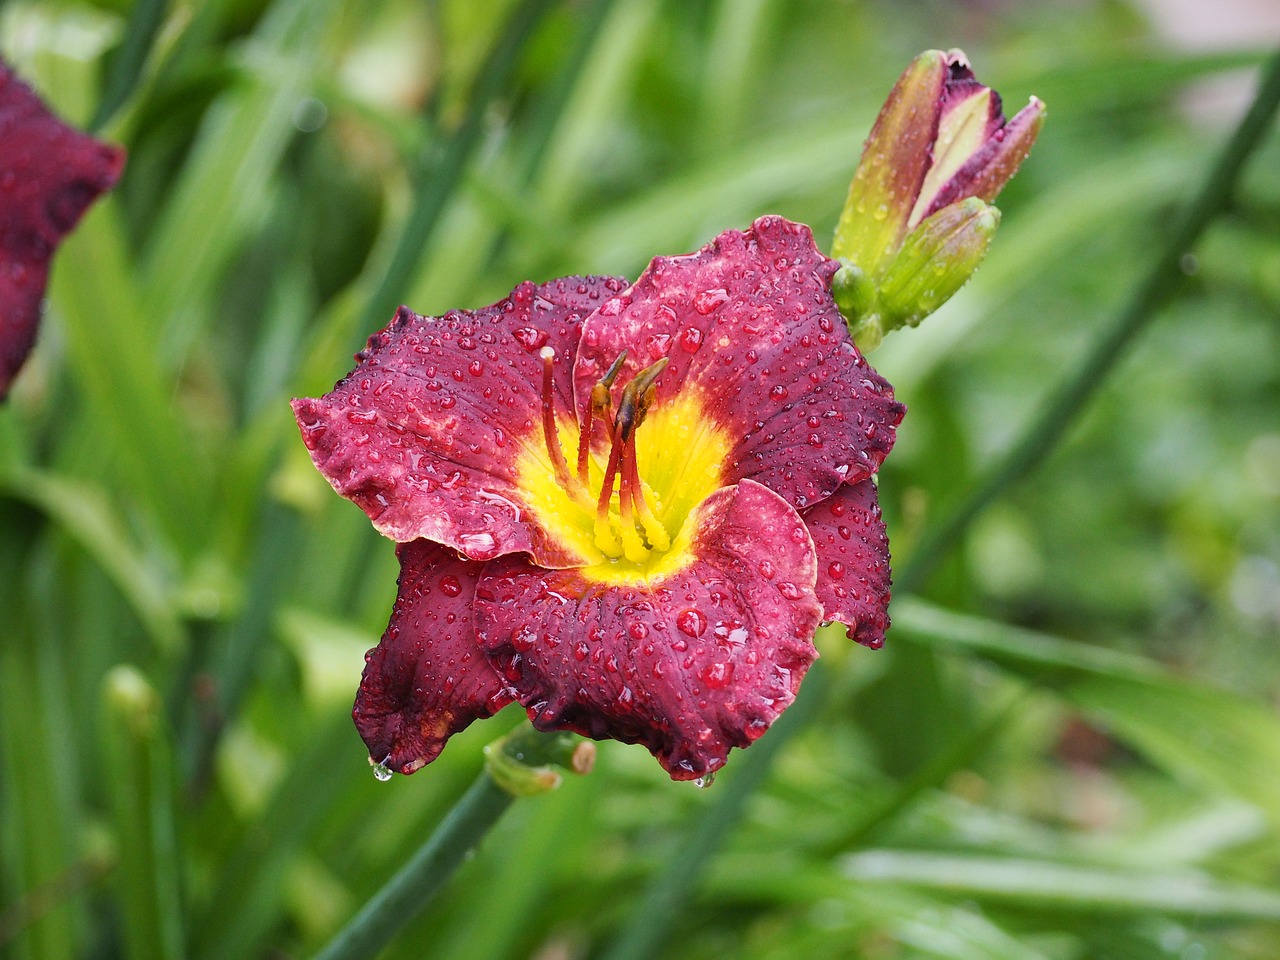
1069 747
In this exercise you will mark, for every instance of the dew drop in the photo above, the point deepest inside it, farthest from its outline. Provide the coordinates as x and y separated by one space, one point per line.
450 586
381 770
717 676
531 338
478 546
705 781
709 300
691 340
691 622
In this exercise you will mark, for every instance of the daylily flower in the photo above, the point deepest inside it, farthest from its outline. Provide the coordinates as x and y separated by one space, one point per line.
918 219
626 507
49 174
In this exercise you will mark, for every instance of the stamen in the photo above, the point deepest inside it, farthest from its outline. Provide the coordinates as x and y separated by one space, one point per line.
625 539
654 531
606 540
549 432
644 383
599 407
633 548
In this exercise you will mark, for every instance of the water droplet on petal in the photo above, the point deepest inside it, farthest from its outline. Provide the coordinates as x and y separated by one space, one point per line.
381 770
717 676
691 622
705 781
708 300
691 340
531 338
478 546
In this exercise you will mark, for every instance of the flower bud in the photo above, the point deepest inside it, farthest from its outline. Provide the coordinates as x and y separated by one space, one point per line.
527 763
941 138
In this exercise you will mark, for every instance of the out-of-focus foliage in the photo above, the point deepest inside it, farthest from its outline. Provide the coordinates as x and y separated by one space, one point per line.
1069 747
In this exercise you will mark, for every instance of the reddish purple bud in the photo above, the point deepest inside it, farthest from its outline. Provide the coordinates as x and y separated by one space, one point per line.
49 174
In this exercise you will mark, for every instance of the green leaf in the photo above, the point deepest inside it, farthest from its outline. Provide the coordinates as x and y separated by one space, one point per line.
1043 884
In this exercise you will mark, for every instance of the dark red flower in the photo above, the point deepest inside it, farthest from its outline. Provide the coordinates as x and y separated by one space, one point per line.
627 508
49 174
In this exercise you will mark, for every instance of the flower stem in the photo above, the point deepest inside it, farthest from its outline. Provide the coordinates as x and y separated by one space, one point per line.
1065 404
410 890
674 887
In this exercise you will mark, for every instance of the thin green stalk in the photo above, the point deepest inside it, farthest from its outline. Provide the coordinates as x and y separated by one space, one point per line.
129 60
1065 404
438 179
933 773
675 886
409 891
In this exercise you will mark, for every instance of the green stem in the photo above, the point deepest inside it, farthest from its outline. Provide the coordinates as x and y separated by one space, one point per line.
674 887
1065 404
239 644
437 180
410 890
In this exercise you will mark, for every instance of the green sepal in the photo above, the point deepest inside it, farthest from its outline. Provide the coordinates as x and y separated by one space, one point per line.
936 260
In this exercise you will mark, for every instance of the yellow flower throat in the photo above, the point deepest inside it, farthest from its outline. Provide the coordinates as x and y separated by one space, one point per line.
623 507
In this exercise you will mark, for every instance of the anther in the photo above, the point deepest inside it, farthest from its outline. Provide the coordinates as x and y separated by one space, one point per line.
599 407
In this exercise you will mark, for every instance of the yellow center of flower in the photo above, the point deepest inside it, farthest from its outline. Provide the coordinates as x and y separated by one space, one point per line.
622 504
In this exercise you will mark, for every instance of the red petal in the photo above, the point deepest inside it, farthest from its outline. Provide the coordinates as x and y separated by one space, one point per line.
853 561
427 678
748 322
49 174
423 435
691 665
